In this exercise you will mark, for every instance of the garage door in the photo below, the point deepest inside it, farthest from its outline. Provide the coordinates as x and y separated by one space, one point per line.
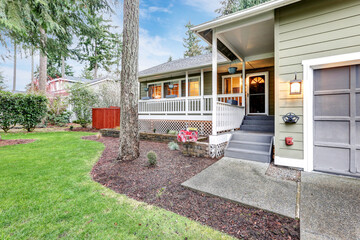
337 120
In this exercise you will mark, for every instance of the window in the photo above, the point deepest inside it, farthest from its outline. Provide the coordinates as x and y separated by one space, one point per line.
171 92
194 87
155 91
232 84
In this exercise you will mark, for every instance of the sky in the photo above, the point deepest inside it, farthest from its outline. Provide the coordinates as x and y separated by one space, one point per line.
162 29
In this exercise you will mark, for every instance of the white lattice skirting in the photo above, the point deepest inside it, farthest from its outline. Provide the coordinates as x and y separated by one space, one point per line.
163 126
217 150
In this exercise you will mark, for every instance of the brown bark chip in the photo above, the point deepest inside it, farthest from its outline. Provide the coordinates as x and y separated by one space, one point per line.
161 186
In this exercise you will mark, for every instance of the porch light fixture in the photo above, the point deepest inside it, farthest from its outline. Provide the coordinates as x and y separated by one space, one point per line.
171 86
295 86
146 89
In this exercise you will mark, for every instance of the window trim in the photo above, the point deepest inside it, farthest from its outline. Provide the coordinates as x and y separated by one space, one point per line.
173 80
231 76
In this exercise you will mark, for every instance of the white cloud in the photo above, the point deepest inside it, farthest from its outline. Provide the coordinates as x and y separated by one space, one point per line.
153 50
204 5
146 12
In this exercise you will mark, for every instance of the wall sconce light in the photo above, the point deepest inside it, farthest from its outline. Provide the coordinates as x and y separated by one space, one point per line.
295 86
171 86
232 70
146 89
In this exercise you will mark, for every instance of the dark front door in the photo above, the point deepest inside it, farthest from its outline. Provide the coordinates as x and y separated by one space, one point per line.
257 94
337 120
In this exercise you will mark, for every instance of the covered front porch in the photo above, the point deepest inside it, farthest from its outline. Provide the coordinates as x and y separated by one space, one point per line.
238 80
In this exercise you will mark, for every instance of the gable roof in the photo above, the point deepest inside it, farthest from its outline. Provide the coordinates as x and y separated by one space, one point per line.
182 64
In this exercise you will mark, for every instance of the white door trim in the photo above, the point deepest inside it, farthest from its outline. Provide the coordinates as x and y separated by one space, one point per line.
308 85
266 92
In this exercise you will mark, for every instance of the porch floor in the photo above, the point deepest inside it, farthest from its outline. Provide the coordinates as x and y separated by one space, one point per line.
246 182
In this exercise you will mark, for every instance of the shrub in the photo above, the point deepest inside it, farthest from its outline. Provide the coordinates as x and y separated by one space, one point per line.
82 99
173 146
71 127
27 110
9 113
173 132
152 158
32 109
57 113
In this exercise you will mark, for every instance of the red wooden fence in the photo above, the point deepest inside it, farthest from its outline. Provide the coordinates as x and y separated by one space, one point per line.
106 117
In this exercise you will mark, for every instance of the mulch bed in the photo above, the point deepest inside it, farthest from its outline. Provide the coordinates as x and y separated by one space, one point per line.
15 141
161 186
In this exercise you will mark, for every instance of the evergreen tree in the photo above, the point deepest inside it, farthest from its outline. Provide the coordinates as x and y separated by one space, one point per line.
2 83
192 43
170 59
86 73
99 46
231 6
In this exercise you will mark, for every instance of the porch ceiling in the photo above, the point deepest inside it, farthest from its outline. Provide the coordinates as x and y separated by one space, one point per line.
251 40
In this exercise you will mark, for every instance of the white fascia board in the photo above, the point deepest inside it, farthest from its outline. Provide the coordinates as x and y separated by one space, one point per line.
253 11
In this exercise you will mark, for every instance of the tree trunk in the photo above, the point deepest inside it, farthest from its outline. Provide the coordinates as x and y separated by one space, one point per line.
129 130
96 65
32 70
62 67
14 76
43 63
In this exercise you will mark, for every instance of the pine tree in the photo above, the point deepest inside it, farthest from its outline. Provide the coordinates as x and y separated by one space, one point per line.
170 59
99 46
192 43
2 83
129 123
231 6
86 73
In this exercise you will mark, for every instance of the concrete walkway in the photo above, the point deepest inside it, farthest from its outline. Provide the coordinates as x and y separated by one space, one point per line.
245 182
329 207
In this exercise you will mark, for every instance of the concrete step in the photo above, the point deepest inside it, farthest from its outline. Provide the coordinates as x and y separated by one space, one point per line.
258 117
258 156
256 146
251 137
258 122
258 128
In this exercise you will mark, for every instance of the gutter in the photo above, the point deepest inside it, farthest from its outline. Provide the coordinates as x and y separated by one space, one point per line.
253 11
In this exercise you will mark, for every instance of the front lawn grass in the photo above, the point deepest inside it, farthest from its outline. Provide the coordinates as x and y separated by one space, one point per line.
46 192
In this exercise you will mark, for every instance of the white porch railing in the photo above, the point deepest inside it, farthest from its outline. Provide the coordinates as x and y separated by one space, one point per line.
183 105
228 116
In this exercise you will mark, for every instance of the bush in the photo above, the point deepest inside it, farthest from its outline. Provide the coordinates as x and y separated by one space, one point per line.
152 158
32 109
82 99
9 114
57 113
173 132
173 146
27 110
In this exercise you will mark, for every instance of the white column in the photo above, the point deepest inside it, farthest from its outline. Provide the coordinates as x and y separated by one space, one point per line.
186 92
214 81
202 92
244 82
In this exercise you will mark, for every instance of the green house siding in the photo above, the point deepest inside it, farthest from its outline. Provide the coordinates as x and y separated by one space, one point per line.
307 30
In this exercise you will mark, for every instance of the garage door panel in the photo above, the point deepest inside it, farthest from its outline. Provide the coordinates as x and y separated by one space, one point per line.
332 79
358 104
340 132
332 105
357 162
332 159
357 76
358 134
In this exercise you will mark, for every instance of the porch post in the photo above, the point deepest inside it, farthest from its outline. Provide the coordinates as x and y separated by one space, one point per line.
244 82
186 92
214 81
202 92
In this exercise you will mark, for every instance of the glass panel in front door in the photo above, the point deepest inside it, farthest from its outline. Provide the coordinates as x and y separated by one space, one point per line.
257 94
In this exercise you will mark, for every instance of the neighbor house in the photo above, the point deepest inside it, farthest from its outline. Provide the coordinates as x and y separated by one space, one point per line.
290 69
